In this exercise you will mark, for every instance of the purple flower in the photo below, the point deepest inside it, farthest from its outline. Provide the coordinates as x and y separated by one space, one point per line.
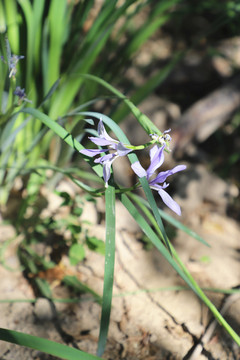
12 63
163 139
21 94
106 160
157 158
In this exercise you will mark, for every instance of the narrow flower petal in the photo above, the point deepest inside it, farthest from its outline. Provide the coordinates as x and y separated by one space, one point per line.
157 158
107 169
163 175
104 158
91 152
138 169
160 178
168 200
100 141
103 134
178 168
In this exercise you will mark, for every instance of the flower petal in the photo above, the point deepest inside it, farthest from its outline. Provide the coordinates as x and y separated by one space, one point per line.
100 141
104 158
107 169
138 169
162 176
157 158
91 152
178 168
168 200
103 134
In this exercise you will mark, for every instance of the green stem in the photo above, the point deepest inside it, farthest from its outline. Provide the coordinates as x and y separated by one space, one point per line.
140 147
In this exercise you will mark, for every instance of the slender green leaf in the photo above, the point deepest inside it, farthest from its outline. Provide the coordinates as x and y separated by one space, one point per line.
38 12
177 265
78 286
154 208
147 88
12 24
43 287
28 13
44 345
143 204
144 121
3 25
8 136
144 33
109 268
56 29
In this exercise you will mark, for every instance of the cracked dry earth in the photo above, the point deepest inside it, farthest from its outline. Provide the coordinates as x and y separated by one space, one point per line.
154 325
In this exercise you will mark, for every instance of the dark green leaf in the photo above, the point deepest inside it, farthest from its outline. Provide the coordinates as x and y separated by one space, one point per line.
95 244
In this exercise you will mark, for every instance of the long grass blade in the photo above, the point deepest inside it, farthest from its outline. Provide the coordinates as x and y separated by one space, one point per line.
12 24
109 268
147 88
177 265
78 286
56 32
28 14
144 206
44 345
144 121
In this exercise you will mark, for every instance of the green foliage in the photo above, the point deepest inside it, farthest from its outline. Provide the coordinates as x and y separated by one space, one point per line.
56 54
44 345
70 62
95 244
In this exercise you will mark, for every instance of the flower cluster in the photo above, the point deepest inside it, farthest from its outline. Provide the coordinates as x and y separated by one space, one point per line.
21 95
12 61
116 149
157 159
106 160
12 64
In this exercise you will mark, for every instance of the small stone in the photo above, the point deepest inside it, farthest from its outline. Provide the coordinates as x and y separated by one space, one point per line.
42 310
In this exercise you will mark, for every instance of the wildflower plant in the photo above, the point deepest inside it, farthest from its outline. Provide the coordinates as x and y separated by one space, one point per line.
26 132
133 203
149 218
120 149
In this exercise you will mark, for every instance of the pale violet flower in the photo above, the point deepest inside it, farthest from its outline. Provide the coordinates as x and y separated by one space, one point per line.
106 160
163 139
12 63
21 94
157 158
